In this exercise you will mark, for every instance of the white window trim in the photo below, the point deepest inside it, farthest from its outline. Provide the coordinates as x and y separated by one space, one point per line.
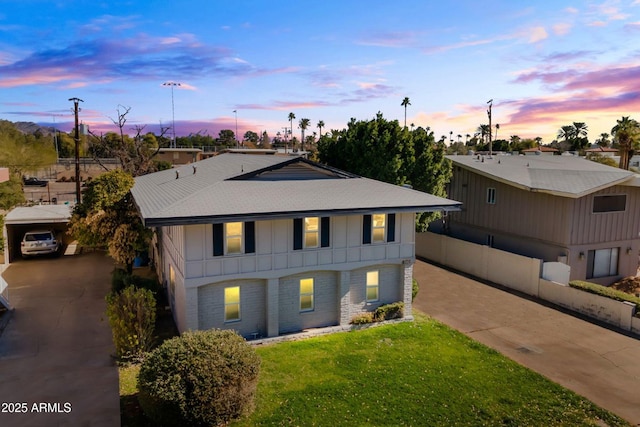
369 286
305 232
312 294
374 228
226 304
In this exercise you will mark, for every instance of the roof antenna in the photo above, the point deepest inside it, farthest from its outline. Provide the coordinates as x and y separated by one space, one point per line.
177 174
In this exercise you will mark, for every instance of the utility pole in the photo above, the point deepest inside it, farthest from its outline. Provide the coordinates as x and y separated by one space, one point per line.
490 102
77 139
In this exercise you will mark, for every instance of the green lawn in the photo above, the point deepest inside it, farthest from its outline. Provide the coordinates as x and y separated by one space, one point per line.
419 373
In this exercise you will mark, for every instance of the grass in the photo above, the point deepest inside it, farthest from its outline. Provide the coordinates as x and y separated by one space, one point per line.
418 373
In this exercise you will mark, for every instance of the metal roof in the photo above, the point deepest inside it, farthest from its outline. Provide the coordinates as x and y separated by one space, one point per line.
234 186
565 176
39 214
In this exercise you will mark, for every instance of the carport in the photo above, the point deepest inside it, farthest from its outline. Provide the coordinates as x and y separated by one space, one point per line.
40 217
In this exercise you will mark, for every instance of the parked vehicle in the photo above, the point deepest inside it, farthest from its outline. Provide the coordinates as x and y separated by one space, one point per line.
34 182
40 242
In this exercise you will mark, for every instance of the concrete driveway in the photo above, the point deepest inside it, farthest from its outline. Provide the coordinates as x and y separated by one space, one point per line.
595 362
55 352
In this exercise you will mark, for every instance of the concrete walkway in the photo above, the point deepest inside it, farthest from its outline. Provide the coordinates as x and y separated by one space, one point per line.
55 352
595 362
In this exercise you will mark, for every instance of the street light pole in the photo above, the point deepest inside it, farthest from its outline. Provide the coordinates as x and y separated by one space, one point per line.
173 111
237 139
77 140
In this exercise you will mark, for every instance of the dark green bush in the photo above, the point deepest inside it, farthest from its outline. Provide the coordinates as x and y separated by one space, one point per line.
414 289
202 378
605 291
132 316
389 311
120 279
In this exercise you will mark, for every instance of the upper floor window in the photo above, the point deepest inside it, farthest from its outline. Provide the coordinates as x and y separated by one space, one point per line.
378 228
609 203
311 232
234 238
491 196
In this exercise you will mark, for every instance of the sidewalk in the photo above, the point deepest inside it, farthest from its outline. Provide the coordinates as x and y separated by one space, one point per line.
595 362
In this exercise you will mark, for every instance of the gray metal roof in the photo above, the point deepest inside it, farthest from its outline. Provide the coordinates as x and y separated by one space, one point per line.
565 176
39 214
236 186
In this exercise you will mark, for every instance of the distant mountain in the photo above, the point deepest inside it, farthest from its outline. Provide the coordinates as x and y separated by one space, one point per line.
32 128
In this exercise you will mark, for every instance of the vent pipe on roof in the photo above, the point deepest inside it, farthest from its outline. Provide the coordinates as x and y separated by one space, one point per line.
177 174
194 169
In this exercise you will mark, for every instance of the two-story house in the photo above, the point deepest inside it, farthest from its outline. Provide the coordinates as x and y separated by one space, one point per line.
269 245
555 208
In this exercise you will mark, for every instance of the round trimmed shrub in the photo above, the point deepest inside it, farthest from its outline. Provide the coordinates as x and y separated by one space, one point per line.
202 378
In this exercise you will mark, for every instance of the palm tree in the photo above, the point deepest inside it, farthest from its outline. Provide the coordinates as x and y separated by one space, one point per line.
320 125
627 133
291 117
567 132
603 141
497 127
303 124
405 103
484 131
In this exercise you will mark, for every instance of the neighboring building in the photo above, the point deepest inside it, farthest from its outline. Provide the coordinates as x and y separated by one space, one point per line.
4 174
537 151
269 245
179 156
603 151
555 208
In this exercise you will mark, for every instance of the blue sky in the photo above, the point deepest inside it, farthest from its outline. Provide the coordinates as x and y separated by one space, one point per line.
544 63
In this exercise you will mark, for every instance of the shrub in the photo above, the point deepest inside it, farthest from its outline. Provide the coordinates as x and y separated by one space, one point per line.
389 311
414 289
605 291
121 279
202 378
362 318
132 315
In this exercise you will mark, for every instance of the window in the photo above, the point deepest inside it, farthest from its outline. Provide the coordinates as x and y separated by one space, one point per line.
232 303
234 238
306 295
602 263
372 286
378 228
491 196
608 203
311 231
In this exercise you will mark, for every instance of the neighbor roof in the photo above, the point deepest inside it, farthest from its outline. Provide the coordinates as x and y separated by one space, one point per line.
565 176
235 186
37 214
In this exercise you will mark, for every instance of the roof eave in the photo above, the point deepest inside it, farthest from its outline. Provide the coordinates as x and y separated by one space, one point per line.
261 216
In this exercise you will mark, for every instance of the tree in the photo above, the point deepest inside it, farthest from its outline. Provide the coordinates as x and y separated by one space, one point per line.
383 150
291 118
575 135
303 124
226 138
107 217
603 141
627 134
22 153
250 136
405 103
320 125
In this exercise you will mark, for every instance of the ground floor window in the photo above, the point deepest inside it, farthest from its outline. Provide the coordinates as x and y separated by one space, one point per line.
306 294
232 303
602 263
372 285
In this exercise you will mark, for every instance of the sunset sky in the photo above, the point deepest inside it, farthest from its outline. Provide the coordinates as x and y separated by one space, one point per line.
544 63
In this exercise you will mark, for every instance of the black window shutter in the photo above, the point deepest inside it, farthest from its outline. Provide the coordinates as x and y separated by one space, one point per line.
249 237
218 239
297 234
366 229
324 231
391 227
